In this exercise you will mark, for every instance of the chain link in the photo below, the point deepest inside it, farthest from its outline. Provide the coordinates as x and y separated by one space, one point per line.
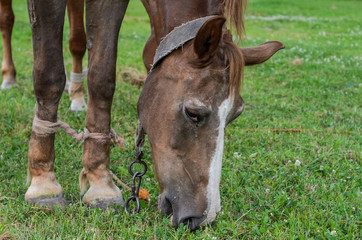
137 177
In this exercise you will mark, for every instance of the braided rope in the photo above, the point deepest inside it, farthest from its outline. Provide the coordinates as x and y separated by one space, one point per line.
45 128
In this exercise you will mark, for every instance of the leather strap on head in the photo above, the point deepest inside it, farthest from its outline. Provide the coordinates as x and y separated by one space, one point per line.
178 37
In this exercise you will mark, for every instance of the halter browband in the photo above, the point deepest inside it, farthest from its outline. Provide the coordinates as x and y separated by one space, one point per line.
178 37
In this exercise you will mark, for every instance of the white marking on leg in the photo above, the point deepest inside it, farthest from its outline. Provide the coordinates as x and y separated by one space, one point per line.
8 82
213 192
78 103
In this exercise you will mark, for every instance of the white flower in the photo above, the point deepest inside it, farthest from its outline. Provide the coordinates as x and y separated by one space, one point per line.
297 163
334 233
333 171
267 191
321 168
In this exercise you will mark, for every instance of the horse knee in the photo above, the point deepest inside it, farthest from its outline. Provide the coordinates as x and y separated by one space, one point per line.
77 45
49 84
101 91
101 84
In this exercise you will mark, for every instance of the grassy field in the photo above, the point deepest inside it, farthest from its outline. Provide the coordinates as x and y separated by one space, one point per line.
275 185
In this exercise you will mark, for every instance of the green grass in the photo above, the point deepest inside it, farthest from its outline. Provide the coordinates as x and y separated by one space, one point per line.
264 195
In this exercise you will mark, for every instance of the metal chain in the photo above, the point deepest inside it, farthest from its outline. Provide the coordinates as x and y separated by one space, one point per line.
137 176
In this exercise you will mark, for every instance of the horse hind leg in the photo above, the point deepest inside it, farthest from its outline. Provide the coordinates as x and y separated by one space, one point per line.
49 81
102 52
6 26
77 46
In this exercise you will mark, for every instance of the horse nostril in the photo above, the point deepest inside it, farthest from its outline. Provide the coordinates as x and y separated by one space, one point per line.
165 205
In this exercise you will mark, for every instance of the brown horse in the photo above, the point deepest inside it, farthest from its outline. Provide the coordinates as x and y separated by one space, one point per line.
190 95
77 46
103 21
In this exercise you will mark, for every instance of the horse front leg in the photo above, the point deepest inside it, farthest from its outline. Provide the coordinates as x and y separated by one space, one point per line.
77 47
103 21
47 19
6 26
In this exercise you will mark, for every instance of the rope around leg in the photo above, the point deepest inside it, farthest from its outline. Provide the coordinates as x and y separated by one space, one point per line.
44 128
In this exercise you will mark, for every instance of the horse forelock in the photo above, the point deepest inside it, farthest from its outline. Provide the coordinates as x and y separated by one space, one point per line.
234 62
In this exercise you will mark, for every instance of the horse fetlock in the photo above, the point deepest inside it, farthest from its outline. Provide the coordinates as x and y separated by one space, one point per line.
76 94
76 89
41 154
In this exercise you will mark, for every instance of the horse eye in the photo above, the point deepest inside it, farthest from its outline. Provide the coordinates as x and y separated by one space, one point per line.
192 115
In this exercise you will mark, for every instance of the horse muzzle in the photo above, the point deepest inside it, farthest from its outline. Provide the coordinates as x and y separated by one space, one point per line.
182 211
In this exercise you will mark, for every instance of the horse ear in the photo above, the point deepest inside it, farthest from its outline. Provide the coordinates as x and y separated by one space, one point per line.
261 53
208 37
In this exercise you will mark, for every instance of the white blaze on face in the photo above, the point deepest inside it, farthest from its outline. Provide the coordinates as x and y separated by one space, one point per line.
213 193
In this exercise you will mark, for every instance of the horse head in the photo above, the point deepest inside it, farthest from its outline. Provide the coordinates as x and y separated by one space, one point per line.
188 99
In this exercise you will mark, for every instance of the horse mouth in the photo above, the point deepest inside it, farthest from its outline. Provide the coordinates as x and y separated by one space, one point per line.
193 222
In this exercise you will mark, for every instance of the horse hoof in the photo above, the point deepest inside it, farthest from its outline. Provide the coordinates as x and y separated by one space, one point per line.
78 104
114 203
57 200
6 85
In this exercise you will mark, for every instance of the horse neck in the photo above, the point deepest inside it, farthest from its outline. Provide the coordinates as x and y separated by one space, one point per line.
165 15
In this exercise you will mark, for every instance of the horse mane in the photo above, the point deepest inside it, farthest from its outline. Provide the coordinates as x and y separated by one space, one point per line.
235 62
233 10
